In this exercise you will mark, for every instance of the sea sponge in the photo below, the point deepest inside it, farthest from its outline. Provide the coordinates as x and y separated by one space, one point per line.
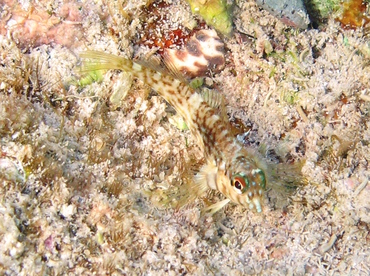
216 13
354 14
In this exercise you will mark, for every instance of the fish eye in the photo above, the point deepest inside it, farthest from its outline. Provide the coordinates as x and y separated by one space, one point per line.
240 183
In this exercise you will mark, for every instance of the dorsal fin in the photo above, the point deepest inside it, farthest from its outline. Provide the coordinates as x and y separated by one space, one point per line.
151 61
216 100
212 97
172 69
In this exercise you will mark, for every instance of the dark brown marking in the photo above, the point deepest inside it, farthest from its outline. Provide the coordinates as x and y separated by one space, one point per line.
221 127
193 48
166 82
216 61
197 116
185 91
220 48
201 36
201 68
172 92
154 81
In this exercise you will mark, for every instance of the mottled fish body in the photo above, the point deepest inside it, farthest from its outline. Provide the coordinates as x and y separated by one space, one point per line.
230 168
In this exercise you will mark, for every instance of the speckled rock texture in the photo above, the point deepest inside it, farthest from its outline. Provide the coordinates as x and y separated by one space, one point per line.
86 166
291 12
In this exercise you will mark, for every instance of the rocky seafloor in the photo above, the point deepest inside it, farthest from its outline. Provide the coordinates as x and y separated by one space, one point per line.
85 161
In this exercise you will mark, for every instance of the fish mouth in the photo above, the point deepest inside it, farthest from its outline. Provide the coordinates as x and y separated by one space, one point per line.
257 204
253 201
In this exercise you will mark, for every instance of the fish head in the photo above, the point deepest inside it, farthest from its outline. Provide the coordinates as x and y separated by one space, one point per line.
249 188
245 184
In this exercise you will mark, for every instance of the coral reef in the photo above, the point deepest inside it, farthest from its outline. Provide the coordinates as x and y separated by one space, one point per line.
85 169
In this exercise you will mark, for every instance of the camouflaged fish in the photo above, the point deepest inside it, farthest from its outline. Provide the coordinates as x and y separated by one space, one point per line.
230 168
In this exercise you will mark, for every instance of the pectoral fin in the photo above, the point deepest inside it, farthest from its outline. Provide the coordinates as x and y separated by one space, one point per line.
214 208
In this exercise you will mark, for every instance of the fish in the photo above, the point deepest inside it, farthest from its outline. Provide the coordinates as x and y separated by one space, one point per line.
230 168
